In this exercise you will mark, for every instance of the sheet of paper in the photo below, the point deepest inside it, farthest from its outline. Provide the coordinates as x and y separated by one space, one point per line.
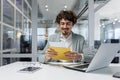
58 44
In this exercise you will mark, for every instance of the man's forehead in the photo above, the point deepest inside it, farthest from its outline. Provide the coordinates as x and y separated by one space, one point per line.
64 20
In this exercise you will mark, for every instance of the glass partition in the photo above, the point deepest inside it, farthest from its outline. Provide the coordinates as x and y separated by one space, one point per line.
29 13
18 20
25 8
26 26
8 38
0 10
81 26
9 60
26 38
16 30
30 2
40 38
12 1
18 39
107 22
8 13
0 37
19 4
30 28
44 30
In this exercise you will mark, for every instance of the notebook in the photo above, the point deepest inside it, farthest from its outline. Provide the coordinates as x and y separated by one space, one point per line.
102 58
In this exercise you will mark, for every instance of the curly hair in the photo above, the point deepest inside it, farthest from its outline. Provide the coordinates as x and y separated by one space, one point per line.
67 15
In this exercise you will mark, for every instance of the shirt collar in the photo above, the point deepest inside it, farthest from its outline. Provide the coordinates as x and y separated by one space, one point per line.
66 39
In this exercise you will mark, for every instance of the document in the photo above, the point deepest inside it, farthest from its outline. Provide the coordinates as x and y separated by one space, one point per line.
58 44
60 48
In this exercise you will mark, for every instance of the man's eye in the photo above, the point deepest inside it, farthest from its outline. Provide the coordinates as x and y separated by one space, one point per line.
62 23
68 23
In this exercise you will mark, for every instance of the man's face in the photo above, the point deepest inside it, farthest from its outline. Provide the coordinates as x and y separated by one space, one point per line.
65 26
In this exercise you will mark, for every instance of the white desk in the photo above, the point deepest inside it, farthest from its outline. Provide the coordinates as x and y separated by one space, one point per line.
11 72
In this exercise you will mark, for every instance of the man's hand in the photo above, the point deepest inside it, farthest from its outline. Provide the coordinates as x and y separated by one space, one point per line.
73 55
49 54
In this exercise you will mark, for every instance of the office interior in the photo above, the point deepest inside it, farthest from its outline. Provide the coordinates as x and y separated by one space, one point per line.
25 25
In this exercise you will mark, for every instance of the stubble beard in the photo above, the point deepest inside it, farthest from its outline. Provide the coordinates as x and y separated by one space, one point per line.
65 34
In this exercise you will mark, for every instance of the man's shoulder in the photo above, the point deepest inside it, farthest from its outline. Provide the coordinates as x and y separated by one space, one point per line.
53 37
78 35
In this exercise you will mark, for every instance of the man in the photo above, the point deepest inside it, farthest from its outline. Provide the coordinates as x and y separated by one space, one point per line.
66 21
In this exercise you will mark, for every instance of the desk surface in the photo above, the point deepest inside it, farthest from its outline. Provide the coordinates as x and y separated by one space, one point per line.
48 72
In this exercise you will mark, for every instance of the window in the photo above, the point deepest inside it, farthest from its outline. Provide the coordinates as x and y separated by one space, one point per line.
18 20
117 33
26 38
12 1
29 13
109 31
25 8
8 39
41 38
19 4
107 21
0 37
8 13
51 31
26 26
9 60
17 44
0 10
30 2
30 28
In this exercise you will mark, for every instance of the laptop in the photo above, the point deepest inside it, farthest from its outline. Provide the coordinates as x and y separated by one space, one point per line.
102 58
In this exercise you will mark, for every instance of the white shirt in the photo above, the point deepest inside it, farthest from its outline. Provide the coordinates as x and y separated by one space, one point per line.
67 41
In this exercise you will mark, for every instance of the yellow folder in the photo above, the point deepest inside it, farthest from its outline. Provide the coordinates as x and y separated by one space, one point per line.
60 53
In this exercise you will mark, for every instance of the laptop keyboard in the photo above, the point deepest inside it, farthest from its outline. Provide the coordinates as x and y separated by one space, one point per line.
82 66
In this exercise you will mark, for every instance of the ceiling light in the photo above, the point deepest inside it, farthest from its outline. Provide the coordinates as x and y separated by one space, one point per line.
47 9
114 22
65 6
115 19
46 6
118 20
103 24
100 25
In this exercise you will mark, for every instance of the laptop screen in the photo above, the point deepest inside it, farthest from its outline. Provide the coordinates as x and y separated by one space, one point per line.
104 56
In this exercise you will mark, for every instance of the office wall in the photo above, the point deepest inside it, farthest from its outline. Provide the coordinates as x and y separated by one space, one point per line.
15 20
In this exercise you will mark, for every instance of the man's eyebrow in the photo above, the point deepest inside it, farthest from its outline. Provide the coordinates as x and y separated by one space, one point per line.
67 22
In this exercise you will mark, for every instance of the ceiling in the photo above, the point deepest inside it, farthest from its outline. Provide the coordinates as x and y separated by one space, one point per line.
54 7
110 10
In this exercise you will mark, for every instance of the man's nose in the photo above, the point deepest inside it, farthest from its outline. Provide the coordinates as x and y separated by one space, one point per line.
65 26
